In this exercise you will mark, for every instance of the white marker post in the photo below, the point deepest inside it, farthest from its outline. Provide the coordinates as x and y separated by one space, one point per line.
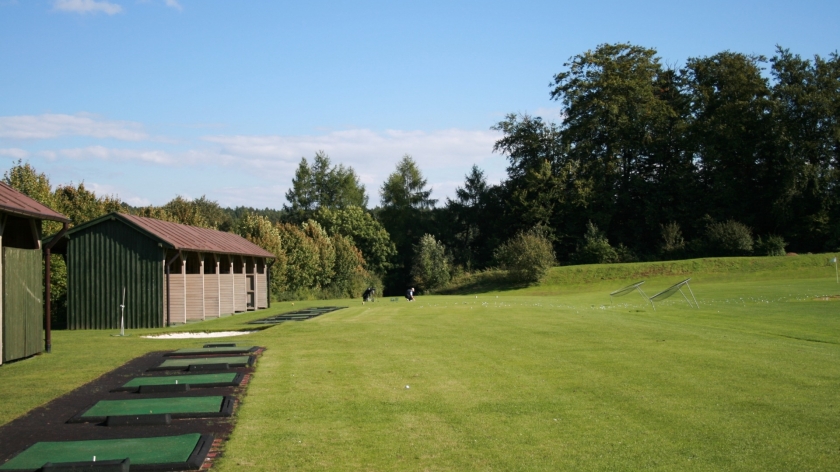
122 315
836 276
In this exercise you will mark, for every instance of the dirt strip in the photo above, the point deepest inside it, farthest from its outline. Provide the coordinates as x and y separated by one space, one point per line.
49 422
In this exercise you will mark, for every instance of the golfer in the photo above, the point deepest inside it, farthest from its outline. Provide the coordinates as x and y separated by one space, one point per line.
409 294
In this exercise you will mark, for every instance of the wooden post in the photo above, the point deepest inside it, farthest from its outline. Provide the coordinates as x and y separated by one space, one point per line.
201 269
184 278
218 286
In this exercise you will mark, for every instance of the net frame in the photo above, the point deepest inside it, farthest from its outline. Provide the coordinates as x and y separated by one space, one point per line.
636 286
677 287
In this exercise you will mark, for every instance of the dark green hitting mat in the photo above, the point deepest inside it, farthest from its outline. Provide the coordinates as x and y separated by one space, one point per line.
193 406
213 351
141 451
222 379
233 361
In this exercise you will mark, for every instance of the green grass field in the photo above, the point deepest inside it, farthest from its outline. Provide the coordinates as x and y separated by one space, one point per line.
551 377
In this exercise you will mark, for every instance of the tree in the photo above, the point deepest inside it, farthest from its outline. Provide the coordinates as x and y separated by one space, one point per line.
618 107
527 256
467 211
302 256
325 251
731 135
595 248
350 276
728 238
367 234
807 102
185 212
81 205
430 269
323 185
28 181
405 188
406 215
260 231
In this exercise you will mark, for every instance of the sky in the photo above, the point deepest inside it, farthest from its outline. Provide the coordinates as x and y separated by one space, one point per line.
150 99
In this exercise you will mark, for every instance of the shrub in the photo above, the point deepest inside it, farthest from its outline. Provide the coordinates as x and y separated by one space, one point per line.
672 239
430 268
729 238
526 257
595 249
772 245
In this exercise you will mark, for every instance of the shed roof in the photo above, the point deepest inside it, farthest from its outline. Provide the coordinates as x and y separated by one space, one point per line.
14 202
185 237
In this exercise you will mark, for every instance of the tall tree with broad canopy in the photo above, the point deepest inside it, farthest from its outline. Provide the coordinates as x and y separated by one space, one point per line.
731 135
807 96
323 185
614 112
367 234
405 213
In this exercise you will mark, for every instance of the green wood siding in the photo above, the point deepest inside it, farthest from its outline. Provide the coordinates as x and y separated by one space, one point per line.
103 259
23 309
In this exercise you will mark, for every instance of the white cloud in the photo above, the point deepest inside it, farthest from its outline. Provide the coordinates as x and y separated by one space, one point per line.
87 6
14 153
444 157
272 196
174 4
51 126
364 147
152 156
114 191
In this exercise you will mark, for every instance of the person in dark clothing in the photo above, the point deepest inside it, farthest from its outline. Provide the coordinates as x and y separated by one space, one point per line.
409 294
368 295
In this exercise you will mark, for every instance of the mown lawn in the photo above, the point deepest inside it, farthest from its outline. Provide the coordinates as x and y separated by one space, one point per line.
546 378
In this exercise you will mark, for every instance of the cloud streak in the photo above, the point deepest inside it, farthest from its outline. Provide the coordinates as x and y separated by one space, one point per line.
14 153
268 161
50 126
363 146
174 4
87 6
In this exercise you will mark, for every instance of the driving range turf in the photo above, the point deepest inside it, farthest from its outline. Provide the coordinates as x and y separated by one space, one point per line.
550 377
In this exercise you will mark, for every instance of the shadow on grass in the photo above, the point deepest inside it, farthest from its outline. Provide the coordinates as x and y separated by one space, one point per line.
481 282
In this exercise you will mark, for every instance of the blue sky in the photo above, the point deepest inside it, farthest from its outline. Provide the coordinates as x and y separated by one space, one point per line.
148 99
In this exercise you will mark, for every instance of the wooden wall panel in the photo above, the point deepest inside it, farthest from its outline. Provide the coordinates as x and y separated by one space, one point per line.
211 296
241 295
178 315
226 293
262 290
195 297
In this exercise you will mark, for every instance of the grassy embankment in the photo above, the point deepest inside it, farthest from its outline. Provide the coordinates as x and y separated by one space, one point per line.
551 377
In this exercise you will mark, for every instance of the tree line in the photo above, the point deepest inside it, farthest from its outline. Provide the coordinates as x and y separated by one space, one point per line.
730 154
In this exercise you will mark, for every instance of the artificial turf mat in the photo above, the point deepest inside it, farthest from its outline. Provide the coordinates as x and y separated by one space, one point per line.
212 351
166 452
297 315
178 407
224 379
49 421
185 363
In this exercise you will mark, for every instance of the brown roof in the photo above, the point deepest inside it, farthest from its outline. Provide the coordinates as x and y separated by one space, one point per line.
12 201
191 238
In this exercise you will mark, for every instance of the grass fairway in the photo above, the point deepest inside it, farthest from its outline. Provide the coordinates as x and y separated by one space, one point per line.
545 378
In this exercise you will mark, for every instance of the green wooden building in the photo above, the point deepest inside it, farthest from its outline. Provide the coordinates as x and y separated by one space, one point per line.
167 273
21 274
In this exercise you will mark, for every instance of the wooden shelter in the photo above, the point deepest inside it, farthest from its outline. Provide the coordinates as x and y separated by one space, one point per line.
21 274
167 273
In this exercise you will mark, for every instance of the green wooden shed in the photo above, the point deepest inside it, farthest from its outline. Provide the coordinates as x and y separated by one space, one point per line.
167 273
21 274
